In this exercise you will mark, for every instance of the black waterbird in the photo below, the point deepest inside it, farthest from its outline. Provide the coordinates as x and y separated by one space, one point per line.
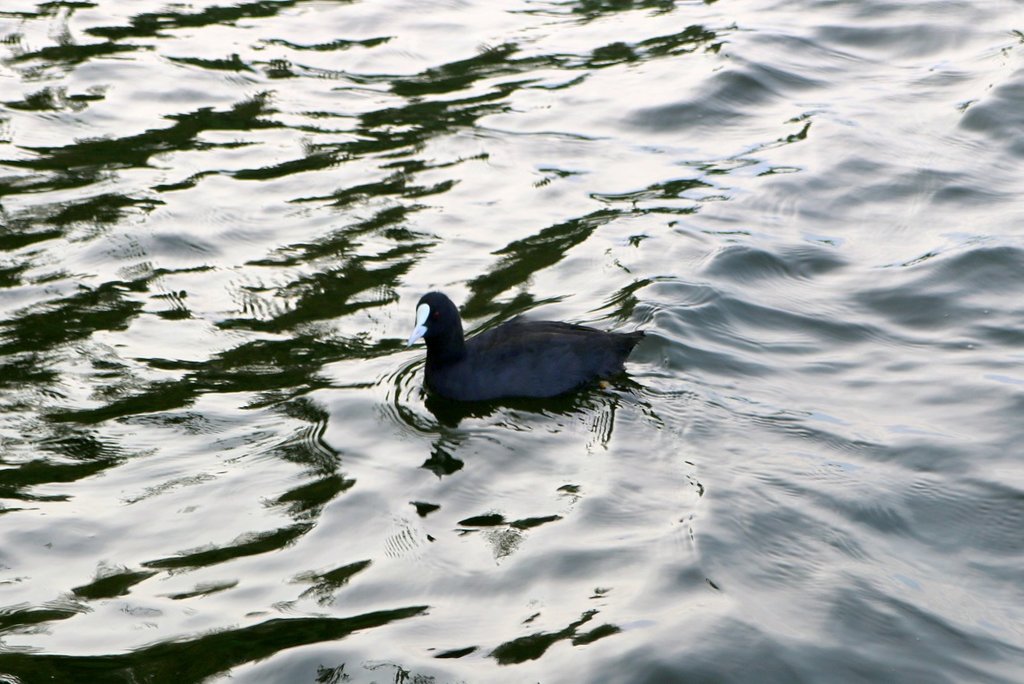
520 358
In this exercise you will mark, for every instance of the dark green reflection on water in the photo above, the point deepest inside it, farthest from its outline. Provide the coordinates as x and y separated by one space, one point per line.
109 586
12 619
593 9
535 645
195 659
306 500
522 258
69 453
89 157
105 307
250 545
153 24
326 584
55 99
259 366
500 60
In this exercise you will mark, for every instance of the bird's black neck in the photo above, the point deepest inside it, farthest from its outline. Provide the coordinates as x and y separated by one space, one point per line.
446 349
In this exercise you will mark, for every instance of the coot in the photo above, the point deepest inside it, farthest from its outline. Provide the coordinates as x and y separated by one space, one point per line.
516 359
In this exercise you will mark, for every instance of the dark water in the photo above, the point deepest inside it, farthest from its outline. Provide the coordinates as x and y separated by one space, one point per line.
217 458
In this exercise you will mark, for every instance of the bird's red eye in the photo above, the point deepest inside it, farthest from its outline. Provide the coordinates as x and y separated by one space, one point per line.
436 314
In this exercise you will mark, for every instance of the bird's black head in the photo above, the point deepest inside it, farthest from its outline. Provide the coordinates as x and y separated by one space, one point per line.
438 323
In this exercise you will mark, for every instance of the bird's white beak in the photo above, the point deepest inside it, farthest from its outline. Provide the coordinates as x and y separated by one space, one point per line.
422 313
418 333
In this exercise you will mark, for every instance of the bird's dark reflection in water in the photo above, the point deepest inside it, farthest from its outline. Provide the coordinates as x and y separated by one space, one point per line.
451 413
595 409
448 421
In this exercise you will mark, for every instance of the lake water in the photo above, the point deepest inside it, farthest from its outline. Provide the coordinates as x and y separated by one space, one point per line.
217 461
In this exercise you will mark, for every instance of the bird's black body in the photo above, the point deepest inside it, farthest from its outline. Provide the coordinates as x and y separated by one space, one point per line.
520 358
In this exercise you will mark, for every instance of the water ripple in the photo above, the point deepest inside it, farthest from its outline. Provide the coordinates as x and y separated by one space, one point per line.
219 460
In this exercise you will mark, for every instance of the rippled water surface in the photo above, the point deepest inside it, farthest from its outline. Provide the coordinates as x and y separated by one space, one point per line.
217 460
